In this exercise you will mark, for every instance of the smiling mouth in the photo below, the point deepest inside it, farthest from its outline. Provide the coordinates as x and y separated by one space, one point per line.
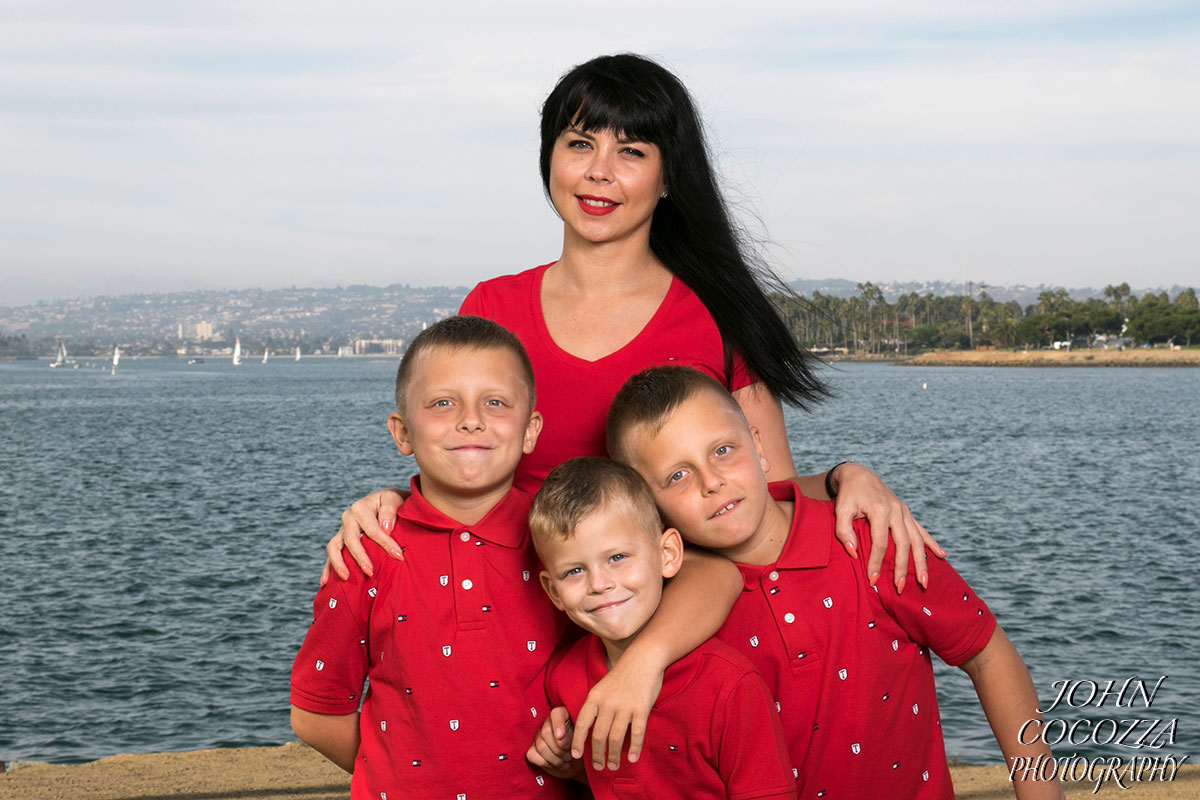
608 606
596 206
720 512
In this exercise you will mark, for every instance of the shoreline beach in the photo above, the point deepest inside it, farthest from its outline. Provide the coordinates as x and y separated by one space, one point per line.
296 772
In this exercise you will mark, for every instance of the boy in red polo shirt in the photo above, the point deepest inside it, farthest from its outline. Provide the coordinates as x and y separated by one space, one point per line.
454 639
714 731
849 663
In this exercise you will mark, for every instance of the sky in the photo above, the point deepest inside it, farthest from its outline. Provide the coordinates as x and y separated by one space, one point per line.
151 146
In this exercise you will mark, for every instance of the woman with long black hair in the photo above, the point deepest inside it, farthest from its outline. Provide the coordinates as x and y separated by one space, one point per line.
653 271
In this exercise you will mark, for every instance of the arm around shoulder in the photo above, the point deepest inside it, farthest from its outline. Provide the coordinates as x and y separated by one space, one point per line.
334 736
1010 701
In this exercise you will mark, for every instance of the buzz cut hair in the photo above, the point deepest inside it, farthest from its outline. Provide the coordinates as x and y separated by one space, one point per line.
582 486
462 333
649 398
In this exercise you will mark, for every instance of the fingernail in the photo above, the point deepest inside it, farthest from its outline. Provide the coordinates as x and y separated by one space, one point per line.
397 554
923 579
344 574
576 753
386 525
874 578
633 757
850 549
900 585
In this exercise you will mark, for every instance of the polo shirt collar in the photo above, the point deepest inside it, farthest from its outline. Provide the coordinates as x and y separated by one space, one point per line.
677 677
507 524
807 547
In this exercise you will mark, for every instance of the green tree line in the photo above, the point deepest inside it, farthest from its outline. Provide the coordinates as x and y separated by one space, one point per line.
868 322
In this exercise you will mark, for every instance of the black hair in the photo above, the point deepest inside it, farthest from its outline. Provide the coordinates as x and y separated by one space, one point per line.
462 332
692 232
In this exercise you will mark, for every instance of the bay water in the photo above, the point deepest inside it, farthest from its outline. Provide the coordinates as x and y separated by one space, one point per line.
161 534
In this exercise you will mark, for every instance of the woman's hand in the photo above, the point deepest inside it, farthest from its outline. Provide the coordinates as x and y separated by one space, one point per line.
619 702
373 515
861 493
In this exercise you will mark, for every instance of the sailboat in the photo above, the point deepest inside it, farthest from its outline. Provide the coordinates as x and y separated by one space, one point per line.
297 353
61 358
237 352
116 359
266 353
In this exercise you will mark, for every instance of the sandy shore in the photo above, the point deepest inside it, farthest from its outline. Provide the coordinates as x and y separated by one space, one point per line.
1133 357
294 772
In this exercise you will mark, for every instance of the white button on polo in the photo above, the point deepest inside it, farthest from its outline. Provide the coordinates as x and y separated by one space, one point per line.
466 537
789 617
774 575
467 584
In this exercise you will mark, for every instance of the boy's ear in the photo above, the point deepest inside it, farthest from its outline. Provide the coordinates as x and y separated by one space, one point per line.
551 591
531 432
399 430
672 552
756 435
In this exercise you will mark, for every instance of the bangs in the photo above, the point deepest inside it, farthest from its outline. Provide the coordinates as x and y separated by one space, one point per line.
609 104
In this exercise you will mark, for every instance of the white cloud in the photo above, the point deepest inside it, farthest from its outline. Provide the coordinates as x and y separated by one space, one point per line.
271 143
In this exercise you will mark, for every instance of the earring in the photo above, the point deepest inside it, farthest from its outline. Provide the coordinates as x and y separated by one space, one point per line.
664 194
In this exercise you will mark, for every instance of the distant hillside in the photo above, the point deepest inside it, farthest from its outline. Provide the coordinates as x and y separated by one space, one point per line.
1025 295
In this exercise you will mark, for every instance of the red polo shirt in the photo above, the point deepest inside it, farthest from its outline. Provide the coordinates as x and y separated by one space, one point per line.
713 732
574 394
454 641
850 666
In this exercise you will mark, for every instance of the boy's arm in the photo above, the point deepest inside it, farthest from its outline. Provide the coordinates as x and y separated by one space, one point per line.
1008 698
695 604
334 736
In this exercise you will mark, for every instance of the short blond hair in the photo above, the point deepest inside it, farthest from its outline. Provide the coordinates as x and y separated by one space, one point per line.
582 486
649 398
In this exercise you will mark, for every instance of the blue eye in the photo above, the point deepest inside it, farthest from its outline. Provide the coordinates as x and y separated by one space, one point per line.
495 402
441 403
678 476
573 571
633 151
722 450
619 557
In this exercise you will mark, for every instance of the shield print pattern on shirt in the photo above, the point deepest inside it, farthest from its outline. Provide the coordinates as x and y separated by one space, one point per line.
444 580
446 650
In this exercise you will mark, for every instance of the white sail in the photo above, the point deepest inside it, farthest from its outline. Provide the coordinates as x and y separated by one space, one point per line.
266 354
237 352
116 355
61 358
297 353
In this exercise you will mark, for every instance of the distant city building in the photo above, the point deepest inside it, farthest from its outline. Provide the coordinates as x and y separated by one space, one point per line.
382 347
201 331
